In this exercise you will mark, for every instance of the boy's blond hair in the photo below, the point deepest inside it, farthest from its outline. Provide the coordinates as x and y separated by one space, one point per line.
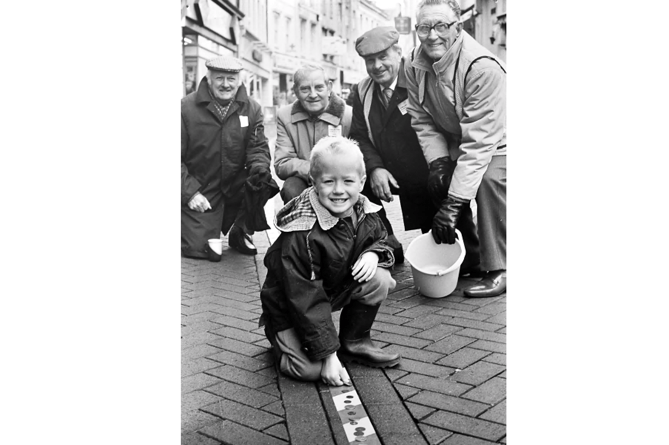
333 145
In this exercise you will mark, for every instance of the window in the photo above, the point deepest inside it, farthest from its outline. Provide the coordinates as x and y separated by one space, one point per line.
304 37
288 43
277 24
314 37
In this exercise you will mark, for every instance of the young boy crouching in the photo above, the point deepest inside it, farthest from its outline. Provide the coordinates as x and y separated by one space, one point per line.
330 255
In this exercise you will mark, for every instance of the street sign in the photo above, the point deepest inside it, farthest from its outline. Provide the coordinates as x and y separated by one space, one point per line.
403 25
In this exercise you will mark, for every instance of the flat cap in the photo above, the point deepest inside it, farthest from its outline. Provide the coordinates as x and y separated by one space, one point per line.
376 40
225 63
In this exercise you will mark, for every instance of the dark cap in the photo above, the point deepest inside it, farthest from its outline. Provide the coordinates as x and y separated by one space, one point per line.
376 40
225 63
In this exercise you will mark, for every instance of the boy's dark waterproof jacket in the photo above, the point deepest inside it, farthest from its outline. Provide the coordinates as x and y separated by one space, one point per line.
309 269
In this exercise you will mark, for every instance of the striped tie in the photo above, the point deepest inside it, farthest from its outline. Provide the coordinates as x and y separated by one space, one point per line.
387 94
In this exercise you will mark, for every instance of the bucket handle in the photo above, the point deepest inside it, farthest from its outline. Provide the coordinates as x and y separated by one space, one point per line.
462 254
462 245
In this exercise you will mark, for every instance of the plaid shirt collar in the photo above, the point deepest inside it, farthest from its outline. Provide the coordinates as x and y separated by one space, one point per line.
302 212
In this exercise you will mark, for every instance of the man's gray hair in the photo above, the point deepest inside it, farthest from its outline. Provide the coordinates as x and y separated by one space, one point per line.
333 145
303 72
454 5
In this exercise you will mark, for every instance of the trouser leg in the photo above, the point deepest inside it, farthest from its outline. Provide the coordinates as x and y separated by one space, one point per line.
293 362
491 215
292 187
470 237
240 221
367 191
240 236
392 240
374 291
426 226
197 228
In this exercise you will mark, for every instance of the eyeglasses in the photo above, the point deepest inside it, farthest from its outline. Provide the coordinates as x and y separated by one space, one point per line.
441 29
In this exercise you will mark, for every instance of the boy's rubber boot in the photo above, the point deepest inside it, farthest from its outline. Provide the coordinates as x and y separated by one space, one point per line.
355 324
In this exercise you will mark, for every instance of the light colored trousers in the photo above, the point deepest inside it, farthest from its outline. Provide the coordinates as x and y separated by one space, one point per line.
293 361
485 240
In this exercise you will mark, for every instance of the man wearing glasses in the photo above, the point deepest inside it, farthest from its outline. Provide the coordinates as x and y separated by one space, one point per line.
457 101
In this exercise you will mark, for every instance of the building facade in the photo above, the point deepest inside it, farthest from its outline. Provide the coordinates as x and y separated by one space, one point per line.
369 17
319 31
294 34
254 51
485 20
273 38
209 28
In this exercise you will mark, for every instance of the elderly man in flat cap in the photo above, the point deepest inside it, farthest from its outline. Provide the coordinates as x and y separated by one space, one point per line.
457 102
225 164
316 113
381 125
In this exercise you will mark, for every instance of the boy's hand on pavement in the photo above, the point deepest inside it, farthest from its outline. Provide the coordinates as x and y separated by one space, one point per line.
365 268
333 373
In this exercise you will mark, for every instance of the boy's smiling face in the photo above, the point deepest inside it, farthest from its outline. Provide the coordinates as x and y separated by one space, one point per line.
339 184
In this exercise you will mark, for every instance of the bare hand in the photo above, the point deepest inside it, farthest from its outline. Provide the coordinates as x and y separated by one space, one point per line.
333 373
381 180
365 268
199 203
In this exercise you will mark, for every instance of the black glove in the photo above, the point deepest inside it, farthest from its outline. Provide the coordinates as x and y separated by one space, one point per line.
444 222
257 168
439 179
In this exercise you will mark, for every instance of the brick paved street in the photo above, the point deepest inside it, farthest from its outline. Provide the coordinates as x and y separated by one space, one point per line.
450 387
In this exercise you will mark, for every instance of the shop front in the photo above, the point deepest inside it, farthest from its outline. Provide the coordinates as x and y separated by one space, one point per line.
257 60
210 28
284 68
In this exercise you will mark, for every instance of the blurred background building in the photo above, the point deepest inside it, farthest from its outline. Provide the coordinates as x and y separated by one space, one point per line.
485 20
273 38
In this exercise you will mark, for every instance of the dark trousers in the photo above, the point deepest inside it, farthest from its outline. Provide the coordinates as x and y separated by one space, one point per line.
197 228
367 191
292 187
470 238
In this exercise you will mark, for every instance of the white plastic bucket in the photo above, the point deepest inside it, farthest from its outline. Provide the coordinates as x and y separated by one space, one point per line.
435 267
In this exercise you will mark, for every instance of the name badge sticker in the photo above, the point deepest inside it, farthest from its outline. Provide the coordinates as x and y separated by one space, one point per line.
402 106
244 121
334 131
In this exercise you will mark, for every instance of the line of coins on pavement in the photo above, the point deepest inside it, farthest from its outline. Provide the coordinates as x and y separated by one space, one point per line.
354 418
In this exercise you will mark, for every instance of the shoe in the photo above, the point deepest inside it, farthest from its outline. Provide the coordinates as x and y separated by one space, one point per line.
492 285
211 255
241 242
355 342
